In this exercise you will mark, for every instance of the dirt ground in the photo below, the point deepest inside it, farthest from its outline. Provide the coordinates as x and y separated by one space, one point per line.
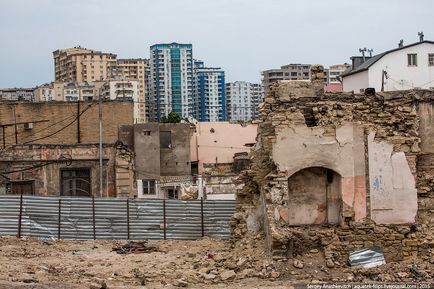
39 264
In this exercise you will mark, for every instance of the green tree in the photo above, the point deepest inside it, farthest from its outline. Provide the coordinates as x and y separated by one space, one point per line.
173 117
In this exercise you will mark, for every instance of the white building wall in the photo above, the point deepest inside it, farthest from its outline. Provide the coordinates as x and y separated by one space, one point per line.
356 81
401 76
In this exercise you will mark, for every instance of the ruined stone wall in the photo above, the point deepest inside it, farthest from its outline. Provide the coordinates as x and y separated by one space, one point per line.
299 128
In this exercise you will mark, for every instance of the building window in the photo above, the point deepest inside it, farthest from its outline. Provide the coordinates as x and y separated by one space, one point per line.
412 59
75 182
21 187
165 139
148 187
431 59
172 193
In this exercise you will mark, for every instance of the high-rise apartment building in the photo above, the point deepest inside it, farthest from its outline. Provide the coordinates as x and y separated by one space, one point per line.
286 72
209 93
80 64
243 99
170 80
133 69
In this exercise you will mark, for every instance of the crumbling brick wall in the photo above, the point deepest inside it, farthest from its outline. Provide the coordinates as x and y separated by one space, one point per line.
387 121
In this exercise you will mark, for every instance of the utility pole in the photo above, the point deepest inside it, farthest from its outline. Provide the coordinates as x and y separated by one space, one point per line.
78 122
383 75
100 145
15 125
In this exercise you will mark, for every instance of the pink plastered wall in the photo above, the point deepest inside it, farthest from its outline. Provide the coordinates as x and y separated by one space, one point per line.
217 142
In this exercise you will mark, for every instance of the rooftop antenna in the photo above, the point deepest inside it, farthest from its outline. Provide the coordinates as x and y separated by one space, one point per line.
370 52
420 34
401 43
363 52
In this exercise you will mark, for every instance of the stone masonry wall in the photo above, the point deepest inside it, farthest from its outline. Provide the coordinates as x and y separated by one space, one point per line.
392 118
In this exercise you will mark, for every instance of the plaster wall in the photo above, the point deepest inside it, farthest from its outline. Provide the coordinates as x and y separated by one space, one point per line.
341 150
392 185
147 150
217 142
401 76
314 197
355 82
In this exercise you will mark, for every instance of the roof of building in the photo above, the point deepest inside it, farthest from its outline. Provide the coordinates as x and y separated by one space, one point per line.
377 57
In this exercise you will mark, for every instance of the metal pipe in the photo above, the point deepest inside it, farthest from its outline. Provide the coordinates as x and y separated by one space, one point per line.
59 219
201 217
93 219
20 216
164 218
128 219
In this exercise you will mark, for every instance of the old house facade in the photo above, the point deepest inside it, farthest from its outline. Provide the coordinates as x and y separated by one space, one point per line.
341 172
162 166
52 148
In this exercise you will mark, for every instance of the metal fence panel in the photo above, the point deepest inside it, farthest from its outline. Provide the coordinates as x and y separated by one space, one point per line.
40 218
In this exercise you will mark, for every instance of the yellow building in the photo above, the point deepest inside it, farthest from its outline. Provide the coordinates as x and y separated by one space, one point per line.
133 69
80 64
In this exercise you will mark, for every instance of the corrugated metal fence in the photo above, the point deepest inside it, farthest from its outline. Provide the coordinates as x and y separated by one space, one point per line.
113 218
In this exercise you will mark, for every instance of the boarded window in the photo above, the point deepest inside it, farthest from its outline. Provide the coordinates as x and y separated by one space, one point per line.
21 187
165 139
75 182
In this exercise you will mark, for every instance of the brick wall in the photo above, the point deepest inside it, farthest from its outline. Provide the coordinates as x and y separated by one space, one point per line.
60 125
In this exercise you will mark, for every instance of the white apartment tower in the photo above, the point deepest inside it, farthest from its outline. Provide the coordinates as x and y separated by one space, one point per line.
243 99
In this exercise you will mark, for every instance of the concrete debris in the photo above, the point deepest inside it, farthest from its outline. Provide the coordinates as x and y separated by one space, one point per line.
135 247
227 275
298 264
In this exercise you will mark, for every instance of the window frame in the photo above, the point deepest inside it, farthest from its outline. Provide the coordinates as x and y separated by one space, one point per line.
411 63
21 183
150 187
62 179
431 61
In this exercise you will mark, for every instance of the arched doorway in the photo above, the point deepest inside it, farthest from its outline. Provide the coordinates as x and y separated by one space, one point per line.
315 197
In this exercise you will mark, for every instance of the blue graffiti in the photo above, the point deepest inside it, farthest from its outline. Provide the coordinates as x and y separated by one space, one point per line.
377 183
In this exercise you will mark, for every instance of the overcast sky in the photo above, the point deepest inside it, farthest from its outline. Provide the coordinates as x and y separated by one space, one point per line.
243 37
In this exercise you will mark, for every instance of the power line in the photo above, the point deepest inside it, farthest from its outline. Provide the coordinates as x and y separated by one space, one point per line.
59 130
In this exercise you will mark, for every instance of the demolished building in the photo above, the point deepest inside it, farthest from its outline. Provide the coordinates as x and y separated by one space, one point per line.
339 172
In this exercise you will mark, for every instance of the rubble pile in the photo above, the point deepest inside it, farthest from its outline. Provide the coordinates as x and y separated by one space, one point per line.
192 264
392 116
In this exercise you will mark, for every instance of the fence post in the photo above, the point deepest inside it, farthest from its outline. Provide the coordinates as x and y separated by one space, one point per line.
164 218
128 218
59 219
93 215
20 216
201 217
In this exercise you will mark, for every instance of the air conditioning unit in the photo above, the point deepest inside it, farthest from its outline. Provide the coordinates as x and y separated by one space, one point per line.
28 125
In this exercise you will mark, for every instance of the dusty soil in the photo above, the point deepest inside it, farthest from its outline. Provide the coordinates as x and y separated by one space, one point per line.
39 264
